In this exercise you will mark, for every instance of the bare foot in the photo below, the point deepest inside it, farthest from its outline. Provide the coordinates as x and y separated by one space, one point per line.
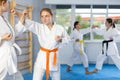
68 69
87 72
95 71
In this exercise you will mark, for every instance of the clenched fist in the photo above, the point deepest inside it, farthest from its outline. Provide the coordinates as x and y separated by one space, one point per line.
58 38
6 36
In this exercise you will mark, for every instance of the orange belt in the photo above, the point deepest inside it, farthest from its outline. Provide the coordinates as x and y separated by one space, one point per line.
48 51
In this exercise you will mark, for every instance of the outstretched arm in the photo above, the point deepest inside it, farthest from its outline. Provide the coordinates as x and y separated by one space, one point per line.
19 27
85 31
25 24
97 30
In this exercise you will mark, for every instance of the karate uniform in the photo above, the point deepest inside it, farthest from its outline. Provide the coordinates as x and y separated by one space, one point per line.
8 58
77 46
46 38
112 50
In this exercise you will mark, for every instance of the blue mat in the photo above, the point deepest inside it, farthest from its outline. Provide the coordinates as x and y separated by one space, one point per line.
109 72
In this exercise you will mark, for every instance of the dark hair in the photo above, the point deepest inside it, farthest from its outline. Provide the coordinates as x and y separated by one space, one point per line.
75 23
48 10
2 1
110 21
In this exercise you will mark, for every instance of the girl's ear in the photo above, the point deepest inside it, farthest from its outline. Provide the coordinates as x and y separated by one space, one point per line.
2 3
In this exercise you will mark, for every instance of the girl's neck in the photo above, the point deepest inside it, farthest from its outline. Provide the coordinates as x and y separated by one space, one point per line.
50 26
108 28
77 29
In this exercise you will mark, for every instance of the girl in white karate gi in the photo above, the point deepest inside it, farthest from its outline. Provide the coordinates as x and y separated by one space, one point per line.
8 58
76 36
50 35
109 47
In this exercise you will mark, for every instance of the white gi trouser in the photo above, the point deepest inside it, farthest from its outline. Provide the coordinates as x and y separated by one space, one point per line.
101 58
76 55
114 56
39 71
10 72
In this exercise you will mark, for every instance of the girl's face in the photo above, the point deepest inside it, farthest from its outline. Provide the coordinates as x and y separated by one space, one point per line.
107 24
4 6
78 26
46 17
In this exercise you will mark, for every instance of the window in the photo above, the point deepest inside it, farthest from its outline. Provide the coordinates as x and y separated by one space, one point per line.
99 10
113 10
63 17
98 20
88 15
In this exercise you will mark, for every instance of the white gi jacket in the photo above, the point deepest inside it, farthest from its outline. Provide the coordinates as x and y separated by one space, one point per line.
8 58
111 33
78 34
46 39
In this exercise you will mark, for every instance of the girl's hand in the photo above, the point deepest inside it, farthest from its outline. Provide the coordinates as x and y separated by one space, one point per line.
6 36
22 15
25 12
111 38
77 40
58 38
94 26
13 11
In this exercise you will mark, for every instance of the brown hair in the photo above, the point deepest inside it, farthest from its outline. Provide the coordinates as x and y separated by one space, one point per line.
110 21
2 1
75 23
48 10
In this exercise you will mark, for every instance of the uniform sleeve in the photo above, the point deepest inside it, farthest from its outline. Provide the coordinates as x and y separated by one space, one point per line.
19 28
85 31
116 34
29 25
32 26
98 31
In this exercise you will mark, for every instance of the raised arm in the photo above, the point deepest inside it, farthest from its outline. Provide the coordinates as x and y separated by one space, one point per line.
97 30
25 24
19 27
85 31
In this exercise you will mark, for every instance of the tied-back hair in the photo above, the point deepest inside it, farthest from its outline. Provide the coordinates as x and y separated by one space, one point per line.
75 23
2 1
110 21
48 10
